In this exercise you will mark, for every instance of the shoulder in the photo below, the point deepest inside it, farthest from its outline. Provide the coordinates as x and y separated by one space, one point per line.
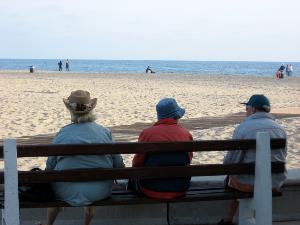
237 133
253 124
243 128
184 129
149 130
96 125
97 129
68 127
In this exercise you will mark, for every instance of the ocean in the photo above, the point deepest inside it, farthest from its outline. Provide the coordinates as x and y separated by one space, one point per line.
160 66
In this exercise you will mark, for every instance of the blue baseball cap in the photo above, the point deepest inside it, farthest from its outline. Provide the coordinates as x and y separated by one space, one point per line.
259 102
168 108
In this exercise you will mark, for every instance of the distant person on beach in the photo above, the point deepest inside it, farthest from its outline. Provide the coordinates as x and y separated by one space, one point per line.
289 70
60 65
31 69
149 70
281 69
278 74
165 129
67 65
82 130
258 118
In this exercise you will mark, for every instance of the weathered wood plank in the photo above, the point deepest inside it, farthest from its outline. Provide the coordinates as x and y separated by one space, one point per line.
27 177
130 198
132 148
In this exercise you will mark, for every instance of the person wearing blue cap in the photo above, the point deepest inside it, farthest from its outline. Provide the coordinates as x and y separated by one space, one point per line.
258 118
165 129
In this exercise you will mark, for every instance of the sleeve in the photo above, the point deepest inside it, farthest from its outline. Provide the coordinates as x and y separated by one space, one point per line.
139 158
191 137
110 136
234 156
51 163
117 158
52 160
191 153
190 156
118 161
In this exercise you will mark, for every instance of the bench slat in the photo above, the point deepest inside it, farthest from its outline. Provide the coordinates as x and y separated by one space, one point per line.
27 177
132 148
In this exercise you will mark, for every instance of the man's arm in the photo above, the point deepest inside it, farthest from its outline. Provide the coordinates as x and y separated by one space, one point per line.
234 156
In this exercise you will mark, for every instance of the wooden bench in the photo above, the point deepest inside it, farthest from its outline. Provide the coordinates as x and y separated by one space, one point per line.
260 201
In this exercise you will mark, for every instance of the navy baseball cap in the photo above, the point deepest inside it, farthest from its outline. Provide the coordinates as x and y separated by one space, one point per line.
259 102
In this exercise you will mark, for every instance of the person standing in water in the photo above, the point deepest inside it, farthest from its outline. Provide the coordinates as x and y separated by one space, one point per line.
59 65
67 65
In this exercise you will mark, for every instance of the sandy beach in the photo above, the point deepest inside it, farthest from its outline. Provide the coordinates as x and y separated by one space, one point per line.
33 107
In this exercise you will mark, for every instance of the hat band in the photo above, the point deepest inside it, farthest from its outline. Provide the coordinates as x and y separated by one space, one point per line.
77 107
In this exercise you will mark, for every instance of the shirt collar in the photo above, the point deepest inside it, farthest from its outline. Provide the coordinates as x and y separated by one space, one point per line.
259 115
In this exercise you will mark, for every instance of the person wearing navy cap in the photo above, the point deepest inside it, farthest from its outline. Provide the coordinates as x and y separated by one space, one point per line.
258 119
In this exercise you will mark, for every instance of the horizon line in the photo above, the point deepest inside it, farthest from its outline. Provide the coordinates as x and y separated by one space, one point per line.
174 60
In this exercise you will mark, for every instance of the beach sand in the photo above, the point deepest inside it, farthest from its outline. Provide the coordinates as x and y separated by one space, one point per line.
32 108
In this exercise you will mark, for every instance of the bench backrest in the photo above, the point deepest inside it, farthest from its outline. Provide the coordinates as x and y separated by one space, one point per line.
132 148
262 168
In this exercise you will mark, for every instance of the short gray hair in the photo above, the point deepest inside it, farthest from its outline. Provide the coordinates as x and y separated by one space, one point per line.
83 118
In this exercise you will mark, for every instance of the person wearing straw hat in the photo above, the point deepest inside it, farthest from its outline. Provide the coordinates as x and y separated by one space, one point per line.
258 118
165 129
82 130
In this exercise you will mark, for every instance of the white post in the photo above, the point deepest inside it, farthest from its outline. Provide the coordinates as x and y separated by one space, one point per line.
263 180
259 209
11 195
246 213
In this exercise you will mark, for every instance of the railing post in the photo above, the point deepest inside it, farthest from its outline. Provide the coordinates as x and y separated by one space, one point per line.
11 196
258 210
263 180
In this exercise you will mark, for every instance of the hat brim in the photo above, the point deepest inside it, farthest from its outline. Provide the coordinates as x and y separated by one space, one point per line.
180 112
92 105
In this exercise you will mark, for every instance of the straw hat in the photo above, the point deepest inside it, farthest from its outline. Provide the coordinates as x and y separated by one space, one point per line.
80 102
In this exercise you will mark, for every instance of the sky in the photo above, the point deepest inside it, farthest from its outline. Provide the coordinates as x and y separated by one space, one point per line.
200 30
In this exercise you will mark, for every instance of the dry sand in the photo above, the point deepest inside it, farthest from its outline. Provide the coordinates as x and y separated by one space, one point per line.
32 105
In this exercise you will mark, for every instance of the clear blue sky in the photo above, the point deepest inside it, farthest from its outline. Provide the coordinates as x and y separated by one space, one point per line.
260 30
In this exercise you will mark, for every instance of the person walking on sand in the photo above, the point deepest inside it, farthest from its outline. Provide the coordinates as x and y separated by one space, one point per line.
82 130
258 118
165 129
60 65
67 65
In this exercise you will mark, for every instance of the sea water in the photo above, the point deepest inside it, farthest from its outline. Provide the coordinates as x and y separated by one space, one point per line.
160 66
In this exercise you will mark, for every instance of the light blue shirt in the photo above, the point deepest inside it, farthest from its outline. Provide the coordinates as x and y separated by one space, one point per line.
83 193
258 122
